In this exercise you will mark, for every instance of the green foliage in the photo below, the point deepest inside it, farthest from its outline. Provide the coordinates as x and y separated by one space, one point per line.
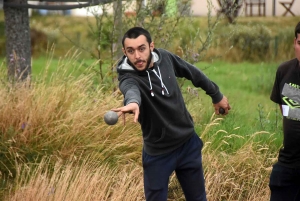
8 154
283 46
264 78
267 123
194 42
65 32
39 42
103 36
230 8
265 39
252 42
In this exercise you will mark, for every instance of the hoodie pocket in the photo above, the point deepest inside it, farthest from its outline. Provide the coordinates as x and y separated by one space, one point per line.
177 129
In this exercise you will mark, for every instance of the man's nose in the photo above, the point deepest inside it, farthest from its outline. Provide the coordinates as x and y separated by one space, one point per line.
137 54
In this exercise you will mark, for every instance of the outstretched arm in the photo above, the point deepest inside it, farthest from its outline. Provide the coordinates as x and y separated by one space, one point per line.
132 98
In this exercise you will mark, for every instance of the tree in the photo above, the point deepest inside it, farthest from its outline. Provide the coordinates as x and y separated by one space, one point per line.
18 48
17 31
230 9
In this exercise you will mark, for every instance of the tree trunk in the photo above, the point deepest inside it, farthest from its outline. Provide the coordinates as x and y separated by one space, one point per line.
18 48
140 12
117 35
117 39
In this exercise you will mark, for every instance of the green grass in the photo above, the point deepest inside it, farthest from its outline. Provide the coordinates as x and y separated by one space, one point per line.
248 87
245 84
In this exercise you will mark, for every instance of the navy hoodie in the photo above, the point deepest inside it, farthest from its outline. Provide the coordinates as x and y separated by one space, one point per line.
165 122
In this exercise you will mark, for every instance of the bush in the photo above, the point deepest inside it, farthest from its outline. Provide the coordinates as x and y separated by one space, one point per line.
283 43
39 41
252 42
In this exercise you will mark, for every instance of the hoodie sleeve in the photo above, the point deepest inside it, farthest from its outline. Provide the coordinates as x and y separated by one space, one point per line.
197 77
129 88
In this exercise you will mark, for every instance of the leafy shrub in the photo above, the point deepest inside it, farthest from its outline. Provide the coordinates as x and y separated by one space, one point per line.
283 43
253 42
39 41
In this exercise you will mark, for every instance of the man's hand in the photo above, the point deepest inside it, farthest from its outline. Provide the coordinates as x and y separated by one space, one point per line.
130 108
222 104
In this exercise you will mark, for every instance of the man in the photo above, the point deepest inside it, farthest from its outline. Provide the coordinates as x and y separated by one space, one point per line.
147 79
285 177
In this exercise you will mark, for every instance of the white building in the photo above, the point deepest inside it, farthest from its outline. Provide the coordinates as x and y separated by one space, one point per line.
200 8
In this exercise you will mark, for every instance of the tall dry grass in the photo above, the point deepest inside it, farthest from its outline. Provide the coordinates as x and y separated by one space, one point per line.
70 182
240 176
61 116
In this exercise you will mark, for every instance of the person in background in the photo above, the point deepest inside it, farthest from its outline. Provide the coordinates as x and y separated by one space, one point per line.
285 176
147 79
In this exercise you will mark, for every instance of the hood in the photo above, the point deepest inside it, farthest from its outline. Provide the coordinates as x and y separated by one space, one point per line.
124 65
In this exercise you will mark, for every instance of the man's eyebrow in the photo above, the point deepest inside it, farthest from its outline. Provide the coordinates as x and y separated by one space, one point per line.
137 47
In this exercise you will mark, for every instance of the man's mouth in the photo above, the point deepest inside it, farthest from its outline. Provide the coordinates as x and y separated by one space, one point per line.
139 62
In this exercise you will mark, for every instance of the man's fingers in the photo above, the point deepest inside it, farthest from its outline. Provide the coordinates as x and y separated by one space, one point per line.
136 116
124 119
130 108
120 113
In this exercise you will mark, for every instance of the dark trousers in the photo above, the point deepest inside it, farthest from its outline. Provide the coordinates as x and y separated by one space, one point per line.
186 161
284 183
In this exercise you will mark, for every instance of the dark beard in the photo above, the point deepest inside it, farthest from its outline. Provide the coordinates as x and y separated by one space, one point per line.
147 65
149 60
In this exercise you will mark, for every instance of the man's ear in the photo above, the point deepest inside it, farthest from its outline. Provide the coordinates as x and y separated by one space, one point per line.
152 46
123 50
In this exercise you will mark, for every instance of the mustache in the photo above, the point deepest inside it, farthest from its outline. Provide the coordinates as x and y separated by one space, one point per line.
139 61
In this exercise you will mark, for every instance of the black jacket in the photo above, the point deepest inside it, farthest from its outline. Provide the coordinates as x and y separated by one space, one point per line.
166 124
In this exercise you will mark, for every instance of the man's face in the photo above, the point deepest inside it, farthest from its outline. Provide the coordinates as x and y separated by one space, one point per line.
297 46
138 51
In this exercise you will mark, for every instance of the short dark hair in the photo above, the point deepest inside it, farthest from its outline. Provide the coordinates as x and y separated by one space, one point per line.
297 29
136 32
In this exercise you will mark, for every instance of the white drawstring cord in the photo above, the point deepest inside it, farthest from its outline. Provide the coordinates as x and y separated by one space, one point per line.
163 87
151 92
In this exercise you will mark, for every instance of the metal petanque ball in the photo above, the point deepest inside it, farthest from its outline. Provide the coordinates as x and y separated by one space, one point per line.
111 117
221 110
